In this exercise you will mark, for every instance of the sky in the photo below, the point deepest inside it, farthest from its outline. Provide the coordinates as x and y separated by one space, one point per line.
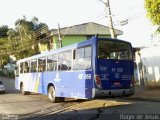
71 12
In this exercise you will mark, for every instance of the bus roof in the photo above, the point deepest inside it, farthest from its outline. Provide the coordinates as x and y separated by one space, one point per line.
73 46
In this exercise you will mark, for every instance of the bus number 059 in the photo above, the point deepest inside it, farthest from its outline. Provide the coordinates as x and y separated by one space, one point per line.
84 76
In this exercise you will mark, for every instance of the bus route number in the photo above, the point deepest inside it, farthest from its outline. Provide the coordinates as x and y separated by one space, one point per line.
119 70
84 76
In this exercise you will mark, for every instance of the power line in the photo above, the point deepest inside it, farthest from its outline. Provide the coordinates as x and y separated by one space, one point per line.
115 15
128 19
124 11
101 15
66 32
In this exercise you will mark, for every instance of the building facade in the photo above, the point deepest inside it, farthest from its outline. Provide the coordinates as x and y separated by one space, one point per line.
73 34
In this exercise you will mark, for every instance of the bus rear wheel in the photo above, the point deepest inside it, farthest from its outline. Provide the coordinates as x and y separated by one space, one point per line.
52 94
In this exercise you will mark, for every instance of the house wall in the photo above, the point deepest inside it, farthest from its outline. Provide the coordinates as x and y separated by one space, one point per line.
105 36
43 47
138 69
67 40
150 66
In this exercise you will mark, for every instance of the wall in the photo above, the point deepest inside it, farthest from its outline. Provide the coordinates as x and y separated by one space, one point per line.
68 40
150 59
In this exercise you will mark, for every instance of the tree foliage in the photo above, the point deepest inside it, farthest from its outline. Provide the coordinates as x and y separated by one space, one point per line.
153 11
3 50
22 41
3 31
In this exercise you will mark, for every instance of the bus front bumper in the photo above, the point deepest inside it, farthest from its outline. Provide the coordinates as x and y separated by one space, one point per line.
116 92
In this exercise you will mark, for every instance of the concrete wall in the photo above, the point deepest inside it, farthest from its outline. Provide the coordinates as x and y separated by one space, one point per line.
150 66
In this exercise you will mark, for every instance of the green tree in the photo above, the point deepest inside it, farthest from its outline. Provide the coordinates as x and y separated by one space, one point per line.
13 42
4 46
3 31
28 34
23 40
3 51
153 11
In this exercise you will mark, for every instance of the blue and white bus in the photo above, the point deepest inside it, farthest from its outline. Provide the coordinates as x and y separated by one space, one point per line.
93 68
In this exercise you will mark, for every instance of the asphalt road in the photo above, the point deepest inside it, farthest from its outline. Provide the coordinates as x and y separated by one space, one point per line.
13 102
37 107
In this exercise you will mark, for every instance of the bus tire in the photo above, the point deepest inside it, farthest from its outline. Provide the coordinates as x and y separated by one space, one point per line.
52 94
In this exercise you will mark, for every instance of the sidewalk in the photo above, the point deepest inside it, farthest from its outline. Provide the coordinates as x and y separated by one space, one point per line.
142 93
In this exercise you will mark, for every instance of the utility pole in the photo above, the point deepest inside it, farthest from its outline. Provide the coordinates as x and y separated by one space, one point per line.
110 23
59 37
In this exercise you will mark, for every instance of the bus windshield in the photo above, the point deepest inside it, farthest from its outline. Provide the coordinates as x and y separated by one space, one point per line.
114 50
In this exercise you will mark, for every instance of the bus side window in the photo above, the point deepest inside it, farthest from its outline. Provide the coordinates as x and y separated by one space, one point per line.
82 59
21 67
42 64
26 67
64 59
87 57
33 65
52 62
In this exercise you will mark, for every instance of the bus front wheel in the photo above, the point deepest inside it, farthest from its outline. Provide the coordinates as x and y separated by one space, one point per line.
52 94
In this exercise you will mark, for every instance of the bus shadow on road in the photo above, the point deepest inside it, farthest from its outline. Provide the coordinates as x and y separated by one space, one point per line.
89 111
